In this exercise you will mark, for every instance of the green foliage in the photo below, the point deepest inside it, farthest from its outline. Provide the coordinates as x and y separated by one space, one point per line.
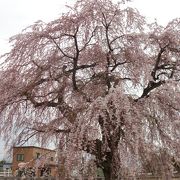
100 172
2 162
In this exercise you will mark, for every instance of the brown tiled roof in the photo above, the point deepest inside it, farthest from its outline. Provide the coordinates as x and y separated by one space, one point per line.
34 147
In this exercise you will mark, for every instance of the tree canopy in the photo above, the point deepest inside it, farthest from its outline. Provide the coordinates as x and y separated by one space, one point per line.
98 79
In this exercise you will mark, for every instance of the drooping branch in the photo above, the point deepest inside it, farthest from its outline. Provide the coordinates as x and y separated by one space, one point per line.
68 112
117 64
89 40
64 108
59 48
36 104
30 132
93 147
26 137
86 66
45 128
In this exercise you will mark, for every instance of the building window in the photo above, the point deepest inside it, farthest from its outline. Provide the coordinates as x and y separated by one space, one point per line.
52 159
38 155
20 157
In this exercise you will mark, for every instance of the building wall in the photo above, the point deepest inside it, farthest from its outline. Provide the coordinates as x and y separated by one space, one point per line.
44 153
28 155
35 156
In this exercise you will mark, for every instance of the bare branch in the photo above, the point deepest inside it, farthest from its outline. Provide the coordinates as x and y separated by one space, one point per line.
153 74
66 55
151 86
117 64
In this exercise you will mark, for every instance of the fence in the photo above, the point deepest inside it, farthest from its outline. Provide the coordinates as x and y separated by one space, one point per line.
177 177
153 177
7 173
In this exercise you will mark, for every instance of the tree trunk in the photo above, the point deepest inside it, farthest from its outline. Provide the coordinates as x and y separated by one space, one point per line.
109 168
110 174
107 174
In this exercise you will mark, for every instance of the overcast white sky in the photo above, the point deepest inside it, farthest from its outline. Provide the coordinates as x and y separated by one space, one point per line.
15 15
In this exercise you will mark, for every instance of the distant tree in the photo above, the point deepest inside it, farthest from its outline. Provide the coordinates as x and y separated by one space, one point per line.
2 162
97 79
